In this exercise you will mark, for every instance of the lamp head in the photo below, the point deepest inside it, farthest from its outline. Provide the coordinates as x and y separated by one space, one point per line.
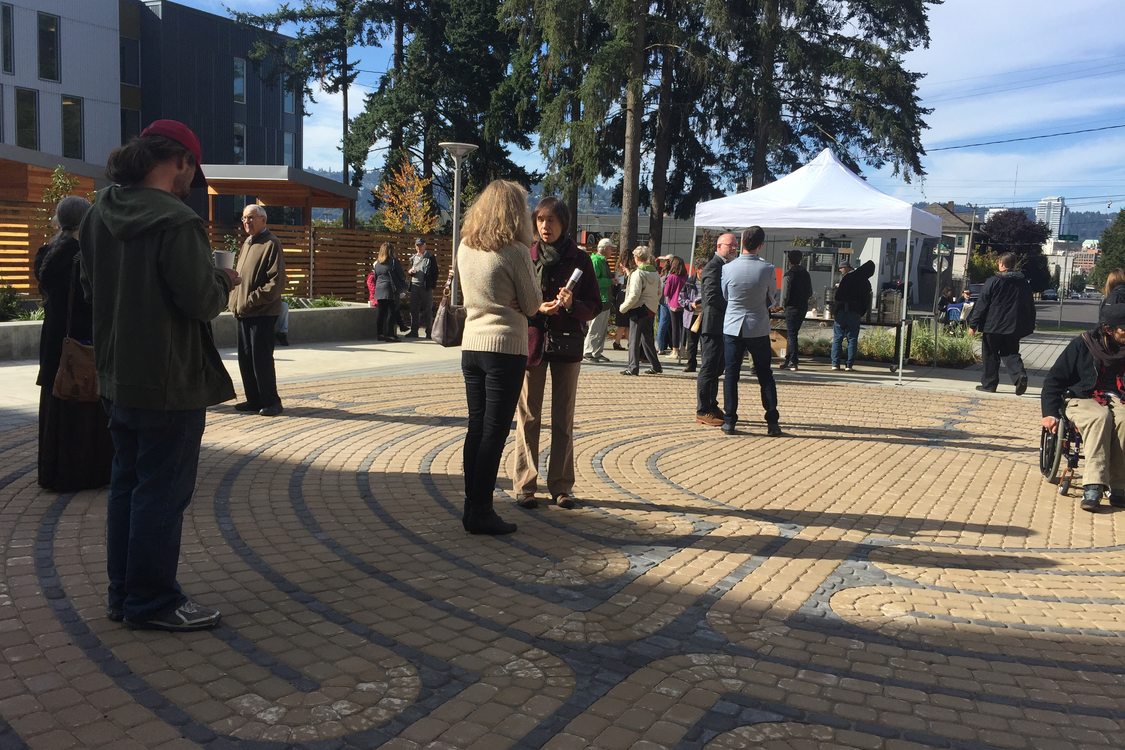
458 150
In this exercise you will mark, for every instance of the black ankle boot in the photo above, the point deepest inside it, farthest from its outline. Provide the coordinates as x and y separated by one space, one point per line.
488 523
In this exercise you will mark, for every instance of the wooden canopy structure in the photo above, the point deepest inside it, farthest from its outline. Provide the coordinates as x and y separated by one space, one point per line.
279 186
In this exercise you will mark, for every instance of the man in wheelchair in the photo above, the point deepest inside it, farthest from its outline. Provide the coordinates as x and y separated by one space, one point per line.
1090 377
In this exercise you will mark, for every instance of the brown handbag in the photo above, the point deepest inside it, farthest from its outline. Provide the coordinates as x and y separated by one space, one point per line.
449 322
77 378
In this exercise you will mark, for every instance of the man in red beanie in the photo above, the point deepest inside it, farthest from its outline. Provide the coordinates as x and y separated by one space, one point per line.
155 290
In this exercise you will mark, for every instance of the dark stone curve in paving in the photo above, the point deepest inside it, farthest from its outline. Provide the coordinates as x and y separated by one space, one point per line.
439 684
734 710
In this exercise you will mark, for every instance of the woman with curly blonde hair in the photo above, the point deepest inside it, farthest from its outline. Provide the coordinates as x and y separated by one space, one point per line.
501 292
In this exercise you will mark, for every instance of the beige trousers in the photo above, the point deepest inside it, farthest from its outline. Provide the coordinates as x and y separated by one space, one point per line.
1103 440
524 468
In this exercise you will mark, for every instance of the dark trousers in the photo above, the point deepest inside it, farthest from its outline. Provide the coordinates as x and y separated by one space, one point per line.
640 341
676 334
388 314
152 481
492 389
663 326
255 360
760 354
421 309
691 343
713 353
794 317
997 346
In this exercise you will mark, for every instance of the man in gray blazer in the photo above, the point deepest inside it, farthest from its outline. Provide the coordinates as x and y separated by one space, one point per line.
749 288
712 308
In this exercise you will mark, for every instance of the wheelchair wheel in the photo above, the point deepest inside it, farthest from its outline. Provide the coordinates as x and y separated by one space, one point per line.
1050 452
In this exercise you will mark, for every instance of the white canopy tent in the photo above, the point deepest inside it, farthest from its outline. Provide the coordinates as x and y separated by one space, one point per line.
822 196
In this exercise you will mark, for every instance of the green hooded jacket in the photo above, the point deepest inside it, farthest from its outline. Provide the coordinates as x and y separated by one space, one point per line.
155 290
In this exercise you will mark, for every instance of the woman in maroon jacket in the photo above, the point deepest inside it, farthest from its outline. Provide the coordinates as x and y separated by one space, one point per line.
555 338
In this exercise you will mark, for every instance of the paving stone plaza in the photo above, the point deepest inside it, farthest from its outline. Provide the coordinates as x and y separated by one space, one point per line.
894 573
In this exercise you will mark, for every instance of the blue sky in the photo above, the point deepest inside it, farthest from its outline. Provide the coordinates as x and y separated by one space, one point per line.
995 70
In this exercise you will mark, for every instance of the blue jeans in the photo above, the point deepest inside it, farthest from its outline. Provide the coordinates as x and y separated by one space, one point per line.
150 487
663 327
760 355
846 324
492 390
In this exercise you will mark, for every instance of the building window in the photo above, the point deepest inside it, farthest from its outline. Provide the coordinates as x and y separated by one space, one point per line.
288 155
960 240
72 127
239 143
48 47
130 124
288 101
239 80
130 61
6 37
27 118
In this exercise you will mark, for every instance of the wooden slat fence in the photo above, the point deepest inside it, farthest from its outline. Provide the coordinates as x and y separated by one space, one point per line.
340 258
319 261
20 238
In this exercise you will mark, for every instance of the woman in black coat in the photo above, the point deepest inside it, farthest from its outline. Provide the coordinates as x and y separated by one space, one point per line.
75 449
389 282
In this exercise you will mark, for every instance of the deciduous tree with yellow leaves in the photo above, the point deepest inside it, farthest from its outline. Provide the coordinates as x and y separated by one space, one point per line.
406 206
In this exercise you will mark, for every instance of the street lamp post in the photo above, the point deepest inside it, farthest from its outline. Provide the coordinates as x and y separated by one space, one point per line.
458 151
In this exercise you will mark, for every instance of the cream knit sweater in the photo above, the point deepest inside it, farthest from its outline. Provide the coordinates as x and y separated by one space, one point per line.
491 281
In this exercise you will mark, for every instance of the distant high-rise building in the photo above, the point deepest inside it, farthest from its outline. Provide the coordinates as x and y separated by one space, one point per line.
1052 211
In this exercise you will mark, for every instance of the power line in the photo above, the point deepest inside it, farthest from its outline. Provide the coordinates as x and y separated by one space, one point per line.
1025 138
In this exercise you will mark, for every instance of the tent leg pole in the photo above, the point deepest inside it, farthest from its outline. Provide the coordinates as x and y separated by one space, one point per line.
905 305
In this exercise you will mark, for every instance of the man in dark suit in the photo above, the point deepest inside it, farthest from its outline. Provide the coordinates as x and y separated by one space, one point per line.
714 308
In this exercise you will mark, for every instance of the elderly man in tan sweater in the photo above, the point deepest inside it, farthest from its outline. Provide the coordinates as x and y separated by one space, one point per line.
256 303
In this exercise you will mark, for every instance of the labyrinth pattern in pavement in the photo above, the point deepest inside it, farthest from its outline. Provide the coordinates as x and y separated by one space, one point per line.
892 574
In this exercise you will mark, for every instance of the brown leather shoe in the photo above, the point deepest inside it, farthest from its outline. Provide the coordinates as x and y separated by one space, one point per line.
710 420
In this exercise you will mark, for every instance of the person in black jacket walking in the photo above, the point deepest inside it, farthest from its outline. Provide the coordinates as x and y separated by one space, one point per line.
1004 314
795 294
713 308
1090 377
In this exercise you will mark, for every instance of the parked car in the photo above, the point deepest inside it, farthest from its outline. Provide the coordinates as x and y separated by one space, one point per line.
1049 295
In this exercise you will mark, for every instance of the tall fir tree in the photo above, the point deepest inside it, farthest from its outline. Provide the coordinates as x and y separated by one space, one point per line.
807 74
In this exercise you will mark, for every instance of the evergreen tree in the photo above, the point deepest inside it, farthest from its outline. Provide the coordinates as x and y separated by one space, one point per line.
326 32
1014 231
1112 253
806 74
452 86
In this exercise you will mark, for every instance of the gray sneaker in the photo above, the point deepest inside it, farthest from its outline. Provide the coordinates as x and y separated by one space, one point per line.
184 618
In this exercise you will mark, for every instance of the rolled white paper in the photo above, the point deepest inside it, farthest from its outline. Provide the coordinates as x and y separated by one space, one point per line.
573 281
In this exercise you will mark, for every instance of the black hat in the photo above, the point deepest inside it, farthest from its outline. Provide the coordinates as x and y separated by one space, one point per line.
1113 315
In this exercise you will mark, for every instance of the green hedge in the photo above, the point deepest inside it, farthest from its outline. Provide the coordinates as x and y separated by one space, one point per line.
878 345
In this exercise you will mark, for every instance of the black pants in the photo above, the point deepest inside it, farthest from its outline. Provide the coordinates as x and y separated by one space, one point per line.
492 389
255 360
421 309
691 343
640 341
794 317
760 354
997 346
707 384
388 317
